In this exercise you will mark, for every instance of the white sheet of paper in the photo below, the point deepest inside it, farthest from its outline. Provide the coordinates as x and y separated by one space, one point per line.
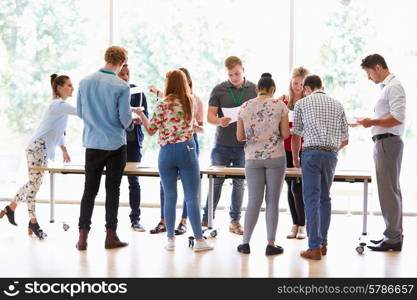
352 120
291 116
136 90
231 113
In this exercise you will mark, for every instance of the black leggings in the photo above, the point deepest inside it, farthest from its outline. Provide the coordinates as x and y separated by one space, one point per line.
295 196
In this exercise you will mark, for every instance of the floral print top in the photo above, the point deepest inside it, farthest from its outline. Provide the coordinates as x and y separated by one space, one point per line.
168 118
261 120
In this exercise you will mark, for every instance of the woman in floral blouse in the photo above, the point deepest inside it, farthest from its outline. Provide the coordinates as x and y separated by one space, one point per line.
263 124
174 118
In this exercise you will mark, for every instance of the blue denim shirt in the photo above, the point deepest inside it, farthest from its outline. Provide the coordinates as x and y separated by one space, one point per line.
53 124
103 104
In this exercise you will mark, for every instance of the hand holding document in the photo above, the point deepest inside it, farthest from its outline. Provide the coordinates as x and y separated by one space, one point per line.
353 121
136 111
231 113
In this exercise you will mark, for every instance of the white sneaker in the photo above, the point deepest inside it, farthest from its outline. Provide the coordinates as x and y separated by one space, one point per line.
301 233
293 232
170 246
202 246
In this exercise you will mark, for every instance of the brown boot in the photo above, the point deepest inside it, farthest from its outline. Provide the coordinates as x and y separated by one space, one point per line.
112 240
323 249
82 240
314 254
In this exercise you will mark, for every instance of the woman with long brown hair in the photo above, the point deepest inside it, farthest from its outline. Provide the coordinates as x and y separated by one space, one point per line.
174 117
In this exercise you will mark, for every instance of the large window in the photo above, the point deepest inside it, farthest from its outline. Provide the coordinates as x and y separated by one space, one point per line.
331 37
39 38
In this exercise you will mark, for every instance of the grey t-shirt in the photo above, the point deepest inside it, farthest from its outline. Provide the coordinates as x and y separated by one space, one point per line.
221 97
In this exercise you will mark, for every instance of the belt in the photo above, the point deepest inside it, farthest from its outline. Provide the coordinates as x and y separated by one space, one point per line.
382 136
320 148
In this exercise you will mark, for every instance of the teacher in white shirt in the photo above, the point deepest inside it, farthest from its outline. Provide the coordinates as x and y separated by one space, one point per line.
387 128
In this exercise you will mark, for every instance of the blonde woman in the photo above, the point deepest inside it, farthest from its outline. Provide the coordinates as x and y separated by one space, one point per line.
295 195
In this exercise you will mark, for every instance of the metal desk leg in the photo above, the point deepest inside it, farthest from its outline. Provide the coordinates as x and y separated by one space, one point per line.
210 202
365 206
52 197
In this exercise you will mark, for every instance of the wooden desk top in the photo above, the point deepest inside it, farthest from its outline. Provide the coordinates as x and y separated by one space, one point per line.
142 170
290 172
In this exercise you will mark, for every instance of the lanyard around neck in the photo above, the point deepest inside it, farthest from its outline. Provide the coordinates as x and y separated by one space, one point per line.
107 72
240 98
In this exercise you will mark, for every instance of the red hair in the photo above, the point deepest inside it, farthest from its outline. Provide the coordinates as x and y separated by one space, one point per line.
176 87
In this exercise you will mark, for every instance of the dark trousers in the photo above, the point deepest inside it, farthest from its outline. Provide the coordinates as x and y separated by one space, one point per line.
95 161
134 155
295 196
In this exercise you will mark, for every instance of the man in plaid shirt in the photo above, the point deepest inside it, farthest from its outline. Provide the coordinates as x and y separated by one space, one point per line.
321 121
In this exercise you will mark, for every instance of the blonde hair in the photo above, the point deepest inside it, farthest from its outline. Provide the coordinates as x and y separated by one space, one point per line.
297 72
115 55
177 87
232 61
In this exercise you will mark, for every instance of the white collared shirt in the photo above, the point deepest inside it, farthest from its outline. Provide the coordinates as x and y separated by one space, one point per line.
391 102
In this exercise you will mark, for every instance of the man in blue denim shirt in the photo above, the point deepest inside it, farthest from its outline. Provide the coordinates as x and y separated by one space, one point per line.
227 150
103 105
321 121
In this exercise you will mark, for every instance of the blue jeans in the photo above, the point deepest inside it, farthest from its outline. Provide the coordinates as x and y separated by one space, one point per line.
180 159
161 189
229 157
134 155
318 168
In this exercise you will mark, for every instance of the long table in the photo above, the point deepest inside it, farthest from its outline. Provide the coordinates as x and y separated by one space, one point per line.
213 172
290 173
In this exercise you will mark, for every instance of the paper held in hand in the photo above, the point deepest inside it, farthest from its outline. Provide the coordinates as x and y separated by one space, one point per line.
231 113
352 121
134 115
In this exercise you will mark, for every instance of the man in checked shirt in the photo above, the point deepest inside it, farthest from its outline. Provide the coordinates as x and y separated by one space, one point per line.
321 121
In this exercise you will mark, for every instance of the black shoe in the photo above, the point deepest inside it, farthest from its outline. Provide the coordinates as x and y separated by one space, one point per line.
384 246
376 241
9 213
159 228
34 228
243 248
181 229
273 250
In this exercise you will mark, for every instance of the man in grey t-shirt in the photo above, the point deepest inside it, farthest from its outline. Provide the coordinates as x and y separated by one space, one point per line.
227 150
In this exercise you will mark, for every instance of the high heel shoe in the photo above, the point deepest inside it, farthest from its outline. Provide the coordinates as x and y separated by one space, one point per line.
9 213
34 228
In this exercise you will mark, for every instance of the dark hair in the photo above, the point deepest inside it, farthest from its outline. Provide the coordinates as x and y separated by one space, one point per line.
187 74
266 82
57 81
372 60
313 81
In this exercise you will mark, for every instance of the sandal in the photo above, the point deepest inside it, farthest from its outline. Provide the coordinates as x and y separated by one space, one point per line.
181 229
159 228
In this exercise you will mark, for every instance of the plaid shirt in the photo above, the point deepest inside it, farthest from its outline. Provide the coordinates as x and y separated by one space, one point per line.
321 120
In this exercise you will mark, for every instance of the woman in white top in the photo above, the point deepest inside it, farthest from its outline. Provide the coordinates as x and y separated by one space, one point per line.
263 124
47 137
